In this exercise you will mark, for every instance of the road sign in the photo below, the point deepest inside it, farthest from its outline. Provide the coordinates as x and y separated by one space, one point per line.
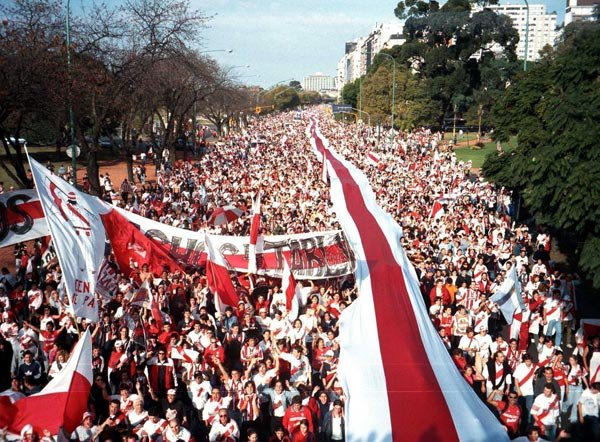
337 108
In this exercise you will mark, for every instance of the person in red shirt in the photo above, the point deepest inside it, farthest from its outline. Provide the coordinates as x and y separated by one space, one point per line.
214 350
510 412
440 291
294 416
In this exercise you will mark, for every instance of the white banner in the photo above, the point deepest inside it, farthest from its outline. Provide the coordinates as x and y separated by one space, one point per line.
21 217
77 234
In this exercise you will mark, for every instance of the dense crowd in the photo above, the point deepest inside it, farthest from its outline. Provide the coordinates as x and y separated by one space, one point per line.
254 372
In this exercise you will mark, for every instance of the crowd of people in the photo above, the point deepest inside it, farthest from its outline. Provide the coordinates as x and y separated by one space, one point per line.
255 372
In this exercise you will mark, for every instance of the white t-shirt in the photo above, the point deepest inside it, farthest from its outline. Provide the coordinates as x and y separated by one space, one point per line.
520 373
590 403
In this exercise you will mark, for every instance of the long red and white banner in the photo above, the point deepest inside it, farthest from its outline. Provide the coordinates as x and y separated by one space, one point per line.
318 255
399 378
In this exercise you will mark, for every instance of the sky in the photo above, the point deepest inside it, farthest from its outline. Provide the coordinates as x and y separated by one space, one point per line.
284 39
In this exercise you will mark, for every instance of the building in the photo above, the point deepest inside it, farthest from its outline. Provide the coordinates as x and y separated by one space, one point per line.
359 54
542 27
579 10
318 82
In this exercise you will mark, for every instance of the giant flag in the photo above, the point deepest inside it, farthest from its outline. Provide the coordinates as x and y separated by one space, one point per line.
400 380
78 236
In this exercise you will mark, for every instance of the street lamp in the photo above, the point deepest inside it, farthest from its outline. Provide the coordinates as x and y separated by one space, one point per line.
526 35
70 100
229 51
267 90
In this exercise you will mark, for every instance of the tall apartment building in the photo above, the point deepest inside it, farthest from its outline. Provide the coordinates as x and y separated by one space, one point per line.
359 54
578 10
542 27
318 82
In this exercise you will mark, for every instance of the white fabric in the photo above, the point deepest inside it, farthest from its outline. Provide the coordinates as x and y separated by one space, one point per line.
78 235
24 231
361 370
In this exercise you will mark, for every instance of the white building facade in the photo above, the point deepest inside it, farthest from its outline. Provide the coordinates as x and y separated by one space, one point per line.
542 27
359 54
579 10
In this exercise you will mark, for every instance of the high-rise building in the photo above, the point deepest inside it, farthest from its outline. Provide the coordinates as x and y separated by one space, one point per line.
579 10
318 82
542 27
359 54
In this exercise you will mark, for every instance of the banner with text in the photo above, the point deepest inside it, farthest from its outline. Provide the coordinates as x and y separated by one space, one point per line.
316 255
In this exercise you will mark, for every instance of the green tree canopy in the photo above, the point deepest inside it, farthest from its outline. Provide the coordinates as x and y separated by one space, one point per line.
554 109
450 48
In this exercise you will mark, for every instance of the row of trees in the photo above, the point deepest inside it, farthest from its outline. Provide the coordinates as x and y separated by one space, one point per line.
133 67
453 60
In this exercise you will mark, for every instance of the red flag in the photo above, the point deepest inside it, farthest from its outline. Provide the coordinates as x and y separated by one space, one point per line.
217 275
61 403
155 311
254 229
131 245
291 290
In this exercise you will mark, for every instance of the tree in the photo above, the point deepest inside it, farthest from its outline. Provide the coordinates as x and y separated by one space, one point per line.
31 74
554 109
449 46
295 84
350 93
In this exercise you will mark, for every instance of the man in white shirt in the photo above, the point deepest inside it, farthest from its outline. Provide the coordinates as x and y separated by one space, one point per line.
523 377
175 432
553 316
546 411
588 408
224 428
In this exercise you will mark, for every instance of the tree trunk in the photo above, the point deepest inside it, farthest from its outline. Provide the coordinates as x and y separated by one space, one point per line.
92 168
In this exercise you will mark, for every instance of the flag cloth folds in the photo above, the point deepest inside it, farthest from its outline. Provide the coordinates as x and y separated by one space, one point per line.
508 295
291 290
132 249
217 276
78 236
437 210
143 296
62 402
399 379
324 168
254 230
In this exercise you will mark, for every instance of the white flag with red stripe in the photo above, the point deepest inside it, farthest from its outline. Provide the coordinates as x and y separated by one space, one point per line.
78 236
23 217
254 230
437 210
61 403
291 290
373 159
399 379
508 295
143 295
218 278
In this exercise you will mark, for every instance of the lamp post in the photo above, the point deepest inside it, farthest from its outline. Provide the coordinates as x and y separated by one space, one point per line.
70 101
526 35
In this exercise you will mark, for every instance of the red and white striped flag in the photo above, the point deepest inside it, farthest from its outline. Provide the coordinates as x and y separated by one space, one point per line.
143 296
254 230
373 159
61 403
291 290
219 281
437 211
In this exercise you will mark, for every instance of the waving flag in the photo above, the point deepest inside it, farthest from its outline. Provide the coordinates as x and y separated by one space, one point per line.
23 219
437 211
78 236
254 229
61 403
291 290
219 281
373 159
143 296
399 378
132 249
508 295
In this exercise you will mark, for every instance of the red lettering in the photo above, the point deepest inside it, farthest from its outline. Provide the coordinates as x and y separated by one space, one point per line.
90 301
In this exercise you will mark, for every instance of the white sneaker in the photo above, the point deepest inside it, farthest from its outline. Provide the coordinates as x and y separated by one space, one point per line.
558 348
569 346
